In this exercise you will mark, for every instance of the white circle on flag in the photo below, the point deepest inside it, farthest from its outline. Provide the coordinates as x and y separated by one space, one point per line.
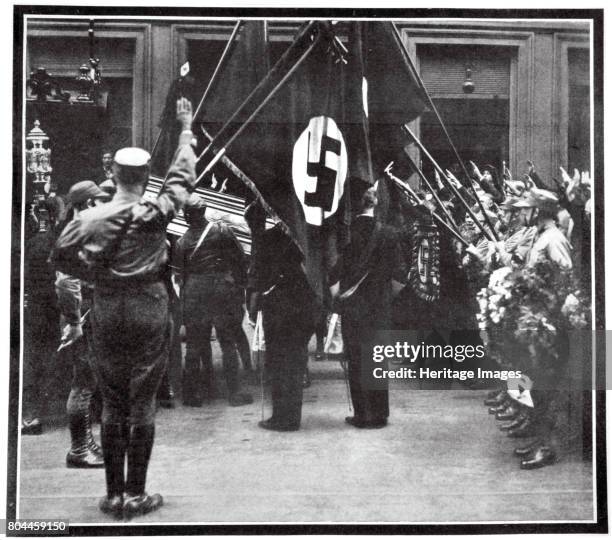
319 170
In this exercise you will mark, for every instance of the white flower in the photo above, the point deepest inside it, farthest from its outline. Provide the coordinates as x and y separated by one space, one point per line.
571 304
548 325
498 275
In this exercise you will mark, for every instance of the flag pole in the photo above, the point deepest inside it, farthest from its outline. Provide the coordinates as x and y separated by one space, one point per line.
272 74
161 129
251 185
449 183
434 109
433 191
212 80
156 143
220 65
221 152
410 192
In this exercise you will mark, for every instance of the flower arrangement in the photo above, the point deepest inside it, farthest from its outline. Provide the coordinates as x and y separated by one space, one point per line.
495 299
524 312
498 313
576 309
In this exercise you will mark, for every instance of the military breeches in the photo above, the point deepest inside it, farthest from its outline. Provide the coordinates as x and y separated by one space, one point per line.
552 400
131 337
211 300
84 382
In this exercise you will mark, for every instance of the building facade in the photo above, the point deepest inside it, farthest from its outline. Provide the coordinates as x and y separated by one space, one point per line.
508 91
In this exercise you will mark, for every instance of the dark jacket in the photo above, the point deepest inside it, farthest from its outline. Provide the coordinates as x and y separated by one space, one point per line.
220 252
374 250
277 272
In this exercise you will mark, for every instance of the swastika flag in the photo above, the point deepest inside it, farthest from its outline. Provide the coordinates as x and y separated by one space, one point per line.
304 147
309 147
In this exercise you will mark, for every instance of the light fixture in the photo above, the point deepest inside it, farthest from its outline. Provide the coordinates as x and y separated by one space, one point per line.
468 85
44 88
38 167
89 78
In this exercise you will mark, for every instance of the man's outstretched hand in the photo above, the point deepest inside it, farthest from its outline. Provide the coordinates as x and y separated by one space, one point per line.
184 113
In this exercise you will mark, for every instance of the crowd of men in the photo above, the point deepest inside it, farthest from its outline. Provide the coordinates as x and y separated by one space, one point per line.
102 271
536 225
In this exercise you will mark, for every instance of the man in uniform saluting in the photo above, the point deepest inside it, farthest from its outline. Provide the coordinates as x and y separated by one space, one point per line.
121 248
551 382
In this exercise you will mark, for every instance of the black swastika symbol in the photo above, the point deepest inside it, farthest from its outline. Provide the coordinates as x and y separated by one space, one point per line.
323 196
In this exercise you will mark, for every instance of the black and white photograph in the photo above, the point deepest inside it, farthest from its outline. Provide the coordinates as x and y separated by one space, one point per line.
305 271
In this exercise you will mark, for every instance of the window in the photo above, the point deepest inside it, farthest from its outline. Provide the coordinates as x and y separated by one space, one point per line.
79 135
478 122
244 67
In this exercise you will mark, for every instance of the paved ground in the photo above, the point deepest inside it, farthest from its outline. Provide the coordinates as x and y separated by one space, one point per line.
441 459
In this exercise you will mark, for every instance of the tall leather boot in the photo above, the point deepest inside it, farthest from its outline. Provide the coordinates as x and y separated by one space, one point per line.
137 502
91 442
115 438
83 453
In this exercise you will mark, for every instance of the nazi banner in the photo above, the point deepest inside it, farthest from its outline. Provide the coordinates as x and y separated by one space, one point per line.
319 169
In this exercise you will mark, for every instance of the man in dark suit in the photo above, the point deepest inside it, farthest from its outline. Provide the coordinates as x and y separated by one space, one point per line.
365 272
281 291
